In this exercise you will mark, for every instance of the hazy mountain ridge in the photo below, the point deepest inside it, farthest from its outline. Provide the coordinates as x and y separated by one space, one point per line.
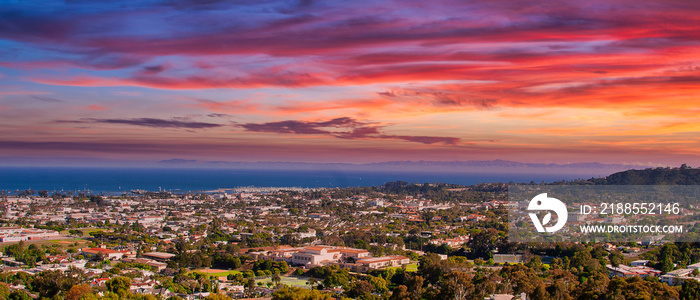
415 165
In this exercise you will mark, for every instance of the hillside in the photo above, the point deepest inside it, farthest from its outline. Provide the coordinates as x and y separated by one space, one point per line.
659 176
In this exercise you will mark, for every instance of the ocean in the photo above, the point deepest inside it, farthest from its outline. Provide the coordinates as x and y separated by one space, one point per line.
116 180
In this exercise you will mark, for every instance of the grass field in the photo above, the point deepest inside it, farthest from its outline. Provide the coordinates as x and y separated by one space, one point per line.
65 243
216 272
291 281
86 231
412 267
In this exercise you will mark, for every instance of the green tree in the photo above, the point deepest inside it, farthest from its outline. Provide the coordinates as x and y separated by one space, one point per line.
690 290
379 284
4 291
119 285
616 258
236 262
340 278
217 296
284 267
295 293
47 283
276 279
19 295
250 284
359 288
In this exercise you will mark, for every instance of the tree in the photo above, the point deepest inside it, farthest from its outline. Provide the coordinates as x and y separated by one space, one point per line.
340 278
295 293
217 296
667 264
276 279
47 283
415 286
236 262
19 295
284 267
4 291
119 285
690 290
379 284
77 292
540 293
359 288
432 268
616 258
559 290
400 293
595 287
250 285
457 285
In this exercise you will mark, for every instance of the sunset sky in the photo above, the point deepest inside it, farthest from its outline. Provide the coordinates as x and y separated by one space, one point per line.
354 81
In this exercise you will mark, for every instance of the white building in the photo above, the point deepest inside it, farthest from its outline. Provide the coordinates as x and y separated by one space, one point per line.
383 262
315 256
678 277
318 255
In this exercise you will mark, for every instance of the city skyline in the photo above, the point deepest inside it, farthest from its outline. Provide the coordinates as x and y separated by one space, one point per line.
360 82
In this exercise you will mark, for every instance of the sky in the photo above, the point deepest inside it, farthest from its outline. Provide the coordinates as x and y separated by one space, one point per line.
611 81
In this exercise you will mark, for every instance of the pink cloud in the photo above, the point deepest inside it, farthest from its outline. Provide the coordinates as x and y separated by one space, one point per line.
95 107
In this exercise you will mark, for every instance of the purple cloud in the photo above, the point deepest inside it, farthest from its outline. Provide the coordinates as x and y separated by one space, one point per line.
47 99
344 128
150 122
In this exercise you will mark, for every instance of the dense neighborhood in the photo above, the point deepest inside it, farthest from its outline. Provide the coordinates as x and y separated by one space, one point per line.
396 241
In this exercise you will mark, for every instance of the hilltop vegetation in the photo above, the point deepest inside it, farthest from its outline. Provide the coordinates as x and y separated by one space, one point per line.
659 176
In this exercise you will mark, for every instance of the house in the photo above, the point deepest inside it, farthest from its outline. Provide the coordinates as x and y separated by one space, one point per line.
627 271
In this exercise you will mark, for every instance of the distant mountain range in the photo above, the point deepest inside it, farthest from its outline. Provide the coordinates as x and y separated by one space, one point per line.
449 166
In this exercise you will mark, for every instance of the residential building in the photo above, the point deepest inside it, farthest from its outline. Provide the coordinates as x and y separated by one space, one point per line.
628 271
